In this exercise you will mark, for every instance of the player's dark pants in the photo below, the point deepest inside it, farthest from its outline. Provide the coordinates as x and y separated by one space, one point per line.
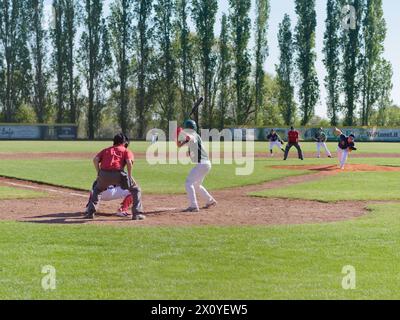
109 178
297 146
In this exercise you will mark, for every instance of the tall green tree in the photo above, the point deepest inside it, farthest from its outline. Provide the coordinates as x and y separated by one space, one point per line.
71 23
306 57
121 36
224 72
261 52
143 43
16 73
63 34
383 89
331 60
240 24
373 37
351 44
95 61
38 48
58 38
184 53
164 14
285 70
204 15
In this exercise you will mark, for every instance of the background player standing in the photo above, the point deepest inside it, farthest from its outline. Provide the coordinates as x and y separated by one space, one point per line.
293 141
198 155
320 138
346 145
274 140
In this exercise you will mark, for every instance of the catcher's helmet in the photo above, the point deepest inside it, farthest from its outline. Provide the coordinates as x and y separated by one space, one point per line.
190 124
127 141
121 139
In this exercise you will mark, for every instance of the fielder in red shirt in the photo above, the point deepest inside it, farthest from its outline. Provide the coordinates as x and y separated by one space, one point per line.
110 164
293 141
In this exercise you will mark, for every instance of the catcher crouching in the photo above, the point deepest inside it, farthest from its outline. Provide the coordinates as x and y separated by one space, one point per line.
110 164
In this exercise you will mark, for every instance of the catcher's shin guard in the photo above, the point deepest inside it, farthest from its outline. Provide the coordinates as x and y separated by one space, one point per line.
126 204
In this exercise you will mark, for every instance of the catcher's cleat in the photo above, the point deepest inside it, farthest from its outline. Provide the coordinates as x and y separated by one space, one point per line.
123 214
89 216
211 204
138 217
192 210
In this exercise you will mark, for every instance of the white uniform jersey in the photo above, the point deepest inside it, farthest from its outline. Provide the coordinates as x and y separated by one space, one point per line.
114 193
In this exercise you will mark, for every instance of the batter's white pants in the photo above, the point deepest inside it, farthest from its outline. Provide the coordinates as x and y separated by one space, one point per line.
272 144
322 145
342 156
194 184
114 193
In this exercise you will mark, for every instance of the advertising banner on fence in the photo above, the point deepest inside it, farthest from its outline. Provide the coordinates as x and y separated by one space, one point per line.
307 134
10 132
38 132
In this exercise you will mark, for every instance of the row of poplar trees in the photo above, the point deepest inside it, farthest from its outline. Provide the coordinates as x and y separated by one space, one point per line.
358 80
147 61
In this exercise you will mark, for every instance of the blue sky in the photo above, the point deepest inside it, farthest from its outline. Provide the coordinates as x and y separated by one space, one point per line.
280 7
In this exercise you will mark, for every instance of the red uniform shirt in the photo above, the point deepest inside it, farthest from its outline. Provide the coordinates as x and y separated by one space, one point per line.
114 158
293 136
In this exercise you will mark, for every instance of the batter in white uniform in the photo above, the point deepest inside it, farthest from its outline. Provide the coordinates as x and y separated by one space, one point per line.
198 155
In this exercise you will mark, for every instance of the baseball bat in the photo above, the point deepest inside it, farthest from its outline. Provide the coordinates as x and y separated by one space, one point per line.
196 106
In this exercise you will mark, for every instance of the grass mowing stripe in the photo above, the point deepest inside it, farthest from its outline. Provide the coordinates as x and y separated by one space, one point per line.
7 193
166 179
351 186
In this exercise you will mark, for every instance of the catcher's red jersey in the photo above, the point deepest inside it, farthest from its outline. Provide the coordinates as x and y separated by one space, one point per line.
114 158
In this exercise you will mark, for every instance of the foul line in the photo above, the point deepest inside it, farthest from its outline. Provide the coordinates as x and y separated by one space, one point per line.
44 189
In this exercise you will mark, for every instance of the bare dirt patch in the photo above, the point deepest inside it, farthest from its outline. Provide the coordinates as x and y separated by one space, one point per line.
235 208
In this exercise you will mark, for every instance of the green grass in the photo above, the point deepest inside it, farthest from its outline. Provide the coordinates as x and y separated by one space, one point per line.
287 262
7 193
94 147
344 186
169 179
274 262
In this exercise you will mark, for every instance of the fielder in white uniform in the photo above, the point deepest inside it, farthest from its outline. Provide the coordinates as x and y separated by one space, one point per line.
320 138
198 155
274 140
346 145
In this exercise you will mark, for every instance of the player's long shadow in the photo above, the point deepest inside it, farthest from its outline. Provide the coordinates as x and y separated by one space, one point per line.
77 217
61 218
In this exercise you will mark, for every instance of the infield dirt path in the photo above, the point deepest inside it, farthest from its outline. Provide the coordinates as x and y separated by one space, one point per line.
235 207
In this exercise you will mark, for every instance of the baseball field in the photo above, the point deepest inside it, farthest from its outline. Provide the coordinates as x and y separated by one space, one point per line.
284 232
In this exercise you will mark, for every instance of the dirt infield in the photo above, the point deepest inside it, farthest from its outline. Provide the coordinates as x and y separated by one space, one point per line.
348 168
235 208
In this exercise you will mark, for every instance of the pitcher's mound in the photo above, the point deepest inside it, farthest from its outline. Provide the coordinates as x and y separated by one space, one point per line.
348 168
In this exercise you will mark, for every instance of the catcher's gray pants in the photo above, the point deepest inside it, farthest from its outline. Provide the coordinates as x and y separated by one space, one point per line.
297 146
108 178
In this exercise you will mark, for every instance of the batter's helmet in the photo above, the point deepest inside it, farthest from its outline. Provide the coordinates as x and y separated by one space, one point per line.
190 124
